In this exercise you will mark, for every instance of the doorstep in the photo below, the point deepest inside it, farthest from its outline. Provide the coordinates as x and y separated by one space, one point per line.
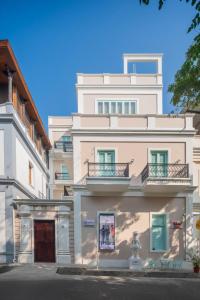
83 270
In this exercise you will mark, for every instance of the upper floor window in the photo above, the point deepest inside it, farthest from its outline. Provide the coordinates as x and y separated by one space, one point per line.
30 173
66 138
122 107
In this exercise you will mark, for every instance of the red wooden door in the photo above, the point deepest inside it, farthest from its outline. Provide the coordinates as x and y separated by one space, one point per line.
44 239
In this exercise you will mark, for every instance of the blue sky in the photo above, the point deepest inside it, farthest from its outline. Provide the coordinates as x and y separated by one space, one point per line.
54 40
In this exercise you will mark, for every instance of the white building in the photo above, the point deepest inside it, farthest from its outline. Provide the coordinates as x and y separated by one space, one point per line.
25 208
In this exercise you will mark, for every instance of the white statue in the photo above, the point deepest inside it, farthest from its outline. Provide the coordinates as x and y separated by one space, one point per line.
136 246
135 262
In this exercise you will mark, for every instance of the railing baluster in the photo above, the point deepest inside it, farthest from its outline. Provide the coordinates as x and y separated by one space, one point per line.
165 171
108 169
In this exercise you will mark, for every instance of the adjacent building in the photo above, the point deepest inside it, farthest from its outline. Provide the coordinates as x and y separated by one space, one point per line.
31 225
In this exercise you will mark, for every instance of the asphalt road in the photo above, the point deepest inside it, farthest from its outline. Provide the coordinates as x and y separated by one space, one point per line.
42 283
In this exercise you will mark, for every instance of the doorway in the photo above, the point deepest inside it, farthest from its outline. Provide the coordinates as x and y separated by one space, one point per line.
44 240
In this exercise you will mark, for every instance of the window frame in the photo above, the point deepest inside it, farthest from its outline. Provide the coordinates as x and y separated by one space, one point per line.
167 232
31 179
61 170
123 101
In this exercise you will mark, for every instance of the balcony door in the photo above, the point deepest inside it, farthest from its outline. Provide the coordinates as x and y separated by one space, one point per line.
159 164
106 159
65 173
66 138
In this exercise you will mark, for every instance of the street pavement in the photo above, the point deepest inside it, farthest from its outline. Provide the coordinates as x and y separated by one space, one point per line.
40 282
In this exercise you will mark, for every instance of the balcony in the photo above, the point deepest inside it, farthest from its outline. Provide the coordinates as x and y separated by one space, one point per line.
166 177
66 147
62 178
110 177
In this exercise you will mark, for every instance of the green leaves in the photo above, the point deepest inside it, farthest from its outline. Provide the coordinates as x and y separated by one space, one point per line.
195 3
186 86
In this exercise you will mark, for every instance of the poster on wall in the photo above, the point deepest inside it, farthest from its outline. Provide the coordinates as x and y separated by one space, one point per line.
106 232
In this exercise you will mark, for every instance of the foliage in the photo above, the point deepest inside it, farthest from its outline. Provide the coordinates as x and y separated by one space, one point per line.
186 87
195 259
195 3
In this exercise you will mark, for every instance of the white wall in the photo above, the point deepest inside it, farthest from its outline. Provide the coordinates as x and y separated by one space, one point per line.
23 158
2 227
2 152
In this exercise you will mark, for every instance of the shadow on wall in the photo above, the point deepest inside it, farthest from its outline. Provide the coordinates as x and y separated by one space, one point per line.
126 223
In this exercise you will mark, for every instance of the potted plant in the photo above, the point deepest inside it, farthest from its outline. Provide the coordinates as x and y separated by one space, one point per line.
196 263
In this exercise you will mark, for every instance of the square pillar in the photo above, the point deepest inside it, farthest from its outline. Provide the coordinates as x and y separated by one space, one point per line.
25 250
63 252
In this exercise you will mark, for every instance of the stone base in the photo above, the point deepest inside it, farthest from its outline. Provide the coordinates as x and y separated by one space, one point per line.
2 258
63 259
135 263
25 258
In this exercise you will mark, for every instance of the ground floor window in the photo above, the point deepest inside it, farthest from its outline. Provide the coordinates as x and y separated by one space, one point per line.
159 232
106 231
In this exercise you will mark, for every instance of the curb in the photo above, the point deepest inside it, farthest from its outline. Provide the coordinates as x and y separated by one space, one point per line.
125 273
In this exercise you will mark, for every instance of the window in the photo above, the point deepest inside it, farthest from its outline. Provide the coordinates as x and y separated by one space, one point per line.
100 107
159 232
116 107
119 107
106 107
113 107
106 158
30 173
126 108
106 231
66 138
159 161
65 173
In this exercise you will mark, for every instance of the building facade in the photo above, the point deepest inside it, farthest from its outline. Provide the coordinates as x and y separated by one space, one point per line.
118 166
30 223
128 166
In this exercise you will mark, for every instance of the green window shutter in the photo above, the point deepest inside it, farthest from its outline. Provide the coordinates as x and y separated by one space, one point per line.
160 158
159 232
106 158
65 172
66 138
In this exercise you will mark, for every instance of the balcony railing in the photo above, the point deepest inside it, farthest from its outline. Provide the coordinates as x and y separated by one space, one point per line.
62 176
63 146
165 171
108 169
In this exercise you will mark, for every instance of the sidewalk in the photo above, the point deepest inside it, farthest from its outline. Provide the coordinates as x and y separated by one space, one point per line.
29 271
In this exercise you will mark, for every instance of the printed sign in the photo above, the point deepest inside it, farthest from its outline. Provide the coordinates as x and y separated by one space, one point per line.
89 223
106 232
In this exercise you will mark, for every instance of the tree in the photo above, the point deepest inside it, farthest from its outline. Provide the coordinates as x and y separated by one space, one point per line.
186 87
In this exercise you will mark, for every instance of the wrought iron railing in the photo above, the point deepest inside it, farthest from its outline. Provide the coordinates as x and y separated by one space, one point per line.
63 146
62 176
108 169
165 170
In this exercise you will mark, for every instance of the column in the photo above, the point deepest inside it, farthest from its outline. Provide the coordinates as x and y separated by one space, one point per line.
77 227
10 74
63 251
189 242
25 251
2 228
